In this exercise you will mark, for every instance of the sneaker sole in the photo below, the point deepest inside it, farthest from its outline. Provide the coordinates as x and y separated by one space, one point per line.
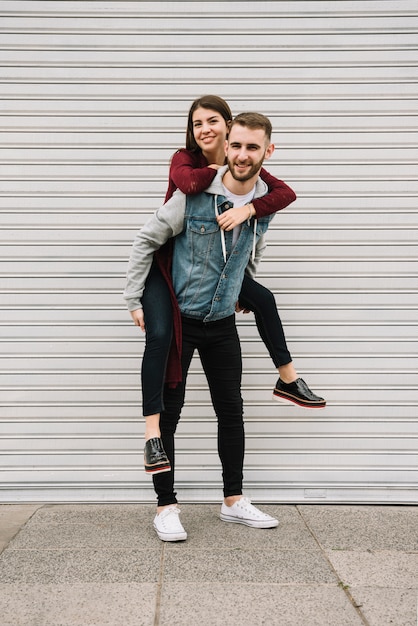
251 523
171 536
303 405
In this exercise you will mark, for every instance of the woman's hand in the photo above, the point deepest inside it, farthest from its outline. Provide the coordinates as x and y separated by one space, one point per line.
138 318
240 309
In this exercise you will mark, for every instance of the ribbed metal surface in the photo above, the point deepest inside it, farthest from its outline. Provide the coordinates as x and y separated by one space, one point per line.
93 102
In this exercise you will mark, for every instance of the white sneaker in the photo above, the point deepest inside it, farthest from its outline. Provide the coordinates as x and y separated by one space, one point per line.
168 526
243 512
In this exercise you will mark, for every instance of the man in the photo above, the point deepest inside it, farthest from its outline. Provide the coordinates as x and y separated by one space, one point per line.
207 272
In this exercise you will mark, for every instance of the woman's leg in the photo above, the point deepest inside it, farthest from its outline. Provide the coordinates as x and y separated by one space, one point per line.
289 388
262 303
158 333
159 329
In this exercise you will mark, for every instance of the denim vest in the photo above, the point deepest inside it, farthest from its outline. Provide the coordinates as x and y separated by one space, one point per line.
206 286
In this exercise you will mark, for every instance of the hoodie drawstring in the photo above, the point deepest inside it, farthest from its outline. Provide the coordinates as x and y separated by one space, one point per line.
223 234
254 239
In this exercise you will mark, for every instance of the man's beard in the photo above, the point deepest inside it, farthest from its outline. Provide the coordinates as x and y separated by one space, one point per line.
254 169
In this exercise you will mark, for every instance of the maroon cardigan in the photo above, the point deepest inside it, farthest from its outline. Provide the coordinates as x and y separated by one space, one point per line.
190 173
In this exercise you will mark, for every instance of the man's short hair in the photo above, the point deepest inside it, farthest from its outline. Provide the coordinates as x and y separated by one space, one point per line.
253 121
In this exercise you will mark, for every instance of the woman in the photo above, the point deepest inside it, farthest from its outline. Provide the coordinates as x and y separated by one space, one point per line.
192 170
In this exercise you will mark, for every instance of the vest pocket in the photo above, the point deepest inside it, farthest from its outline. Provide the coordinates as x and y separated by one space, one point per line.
202 236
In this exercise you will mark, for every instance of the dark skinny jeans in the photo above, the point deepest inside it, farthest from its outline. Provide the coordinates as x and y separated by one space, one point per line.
261 302
158 316
220 353
159 326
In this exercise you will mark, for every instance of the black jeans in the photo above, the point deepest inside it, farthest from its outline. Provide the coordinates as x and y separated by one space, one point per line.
220 353
159 327
261 302
158 316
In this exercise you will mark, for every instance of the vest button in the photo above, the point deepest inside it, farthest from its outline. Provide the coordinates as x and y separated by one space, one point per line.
202 229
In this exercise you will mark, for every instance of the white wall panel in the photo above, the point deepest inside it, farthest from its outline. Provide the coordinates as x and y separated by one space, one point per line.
93 102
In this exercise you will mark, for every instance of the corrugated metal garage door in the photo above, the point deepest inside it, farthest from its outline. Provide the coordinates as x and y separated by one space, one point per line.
94 98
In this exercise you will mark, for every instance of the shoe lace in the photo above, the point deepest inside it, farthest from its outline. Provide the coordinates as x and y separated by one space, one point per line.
245 503
171 510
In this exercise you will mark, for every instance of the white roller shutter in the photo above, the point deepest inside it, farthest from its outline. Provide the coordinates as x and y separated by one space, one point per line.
94 99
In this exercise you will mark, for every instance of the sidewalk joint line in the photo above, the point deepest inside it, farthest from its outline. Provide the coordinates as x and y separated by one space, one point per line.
341 584
159 588
21 527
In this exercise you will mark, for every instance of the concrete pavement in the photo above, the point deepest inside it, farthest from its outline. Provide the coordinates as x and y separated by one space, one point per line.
103 565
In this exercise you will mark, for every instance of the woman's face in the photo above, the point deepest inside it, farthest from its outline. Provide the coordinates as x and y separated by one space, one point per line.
209 130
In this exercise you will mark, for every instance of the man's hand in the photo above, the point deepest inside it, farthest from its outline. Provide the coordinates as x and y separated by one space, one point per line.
138 318
233 217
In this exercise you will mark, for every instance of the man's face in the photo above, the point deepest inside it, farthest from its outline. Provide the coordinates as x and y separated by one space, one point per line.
245 150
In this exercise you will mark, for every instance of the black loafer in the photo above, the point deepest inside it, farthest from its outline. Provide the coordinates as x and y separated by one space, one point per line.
297 393
155 458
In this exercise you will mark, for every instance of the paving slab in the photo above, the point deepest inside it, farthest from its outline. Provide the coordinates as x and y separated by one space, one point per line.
229 566
75 566
65 527
257 604
115 604
344 527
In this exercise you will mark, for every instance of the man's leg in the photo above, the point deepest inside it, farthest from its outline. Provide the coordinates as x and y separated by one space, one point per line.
221 359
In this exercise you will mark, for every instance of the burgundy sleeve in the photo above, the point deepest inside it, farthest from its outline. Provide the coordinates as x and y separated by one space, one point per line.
188 173
279 196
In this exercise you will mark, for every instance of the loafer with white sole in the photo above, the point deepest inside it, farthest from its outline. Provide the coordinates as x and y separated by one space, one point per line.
155 458
297 393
